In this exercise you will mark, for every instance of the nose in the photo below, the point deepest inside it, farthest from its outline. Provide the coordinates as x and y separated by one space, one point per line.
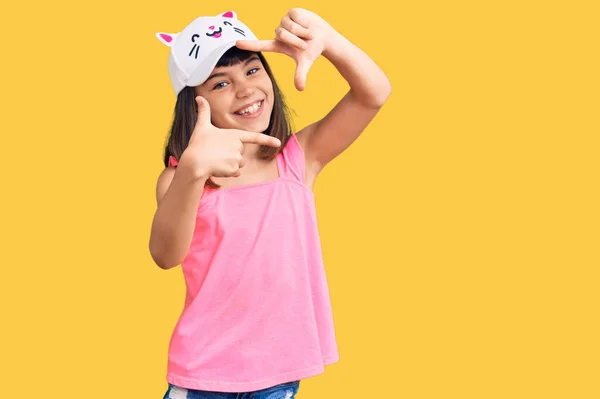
245 91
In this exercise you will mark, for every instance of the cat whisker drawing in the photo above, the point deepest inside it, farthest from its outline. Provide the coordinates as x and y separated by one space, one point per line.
196 47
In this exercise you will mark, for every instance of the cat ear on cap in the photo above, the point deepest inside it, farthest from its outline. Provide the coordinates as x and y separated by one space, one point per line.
167 38
228 14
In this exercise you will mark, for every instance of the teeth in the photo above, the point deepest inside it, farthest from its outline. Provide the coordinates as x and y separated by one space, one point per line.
251 109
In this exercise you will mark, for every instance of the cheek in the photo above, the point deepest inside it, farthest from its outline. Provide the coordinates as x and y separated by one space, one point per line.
215 111
268 90
219 113
221 118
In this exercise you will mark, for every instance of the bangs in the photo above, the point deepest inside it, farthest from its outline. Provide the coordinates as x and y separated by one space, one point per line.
234 56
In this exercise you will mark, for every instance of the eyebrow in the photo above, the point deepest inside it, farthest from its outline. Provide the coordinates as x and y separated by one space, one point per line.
217 74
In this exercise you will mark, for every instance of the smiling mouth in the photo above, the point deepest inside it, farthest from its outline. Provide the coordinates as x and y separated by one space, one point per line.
216 34
252 109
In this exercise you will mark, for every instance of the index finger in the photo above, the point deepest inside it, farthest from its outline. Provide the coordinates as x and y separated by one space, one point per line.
258 45
259 138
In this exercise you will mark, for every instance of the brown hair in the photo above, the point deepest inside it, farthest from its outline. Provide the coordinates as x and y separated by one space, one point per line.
186 114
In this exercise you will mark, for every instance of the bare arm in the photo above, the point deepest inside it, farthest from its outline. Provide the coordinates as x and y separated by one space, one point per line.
370 88
178 193
305 36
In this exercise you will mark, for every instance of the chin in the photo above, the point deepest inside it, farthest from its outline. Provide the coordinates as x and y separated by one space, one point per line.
256 127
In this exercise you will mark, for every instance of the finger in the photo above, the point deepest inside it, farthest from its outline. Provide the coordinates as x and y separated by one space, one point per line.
296 28
203 111
299 16
259 138
259 45
285 36
242 163
301 73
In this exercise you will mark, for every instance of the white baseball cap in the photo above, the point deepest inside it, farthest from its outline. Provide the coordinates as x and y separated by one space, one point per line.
198 47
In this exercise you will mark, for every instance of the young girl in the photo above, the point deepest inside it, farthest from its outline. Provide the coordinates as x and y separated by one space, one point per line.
236 207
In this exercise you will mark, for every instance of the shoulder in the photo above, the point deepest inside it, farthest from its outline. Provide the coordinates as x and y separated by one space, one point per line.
311 166
164 181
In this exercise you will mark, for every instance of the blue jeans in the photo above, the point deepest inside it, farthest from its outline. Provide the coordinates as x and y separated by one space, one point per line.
287 390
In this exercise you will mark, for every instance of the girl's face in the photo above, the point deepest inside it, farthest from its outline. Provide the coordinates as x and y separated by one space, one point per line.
240 96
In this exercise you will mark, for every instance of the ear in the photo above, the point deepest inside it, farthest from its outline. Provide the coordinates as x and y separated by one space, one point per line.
229 14
166 38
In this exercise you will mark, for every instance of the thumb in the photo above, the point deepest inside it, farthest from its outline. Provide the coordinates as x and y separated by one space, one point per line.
203 111
301 73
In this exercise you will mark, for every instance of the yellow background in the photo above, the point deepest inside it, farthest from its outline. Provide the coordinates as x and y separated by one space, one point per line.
460 232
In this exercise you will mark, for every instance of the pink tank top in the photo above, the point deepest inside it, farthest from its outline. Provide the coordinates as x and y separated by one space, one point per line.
257 310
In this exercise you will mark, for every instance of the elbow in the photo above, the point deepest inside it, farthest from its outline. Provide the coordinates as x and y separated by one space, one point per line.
378 96
165 264
158 260
160 263
383 93
161 260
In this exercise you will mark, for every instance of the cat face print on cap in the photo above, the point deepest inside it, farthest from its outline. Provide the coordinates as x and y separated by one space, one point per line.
195 50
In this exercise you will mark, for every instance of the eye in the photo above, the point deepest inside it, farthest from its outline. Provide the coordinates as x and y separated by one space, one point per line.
227 23
253 69
219 85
